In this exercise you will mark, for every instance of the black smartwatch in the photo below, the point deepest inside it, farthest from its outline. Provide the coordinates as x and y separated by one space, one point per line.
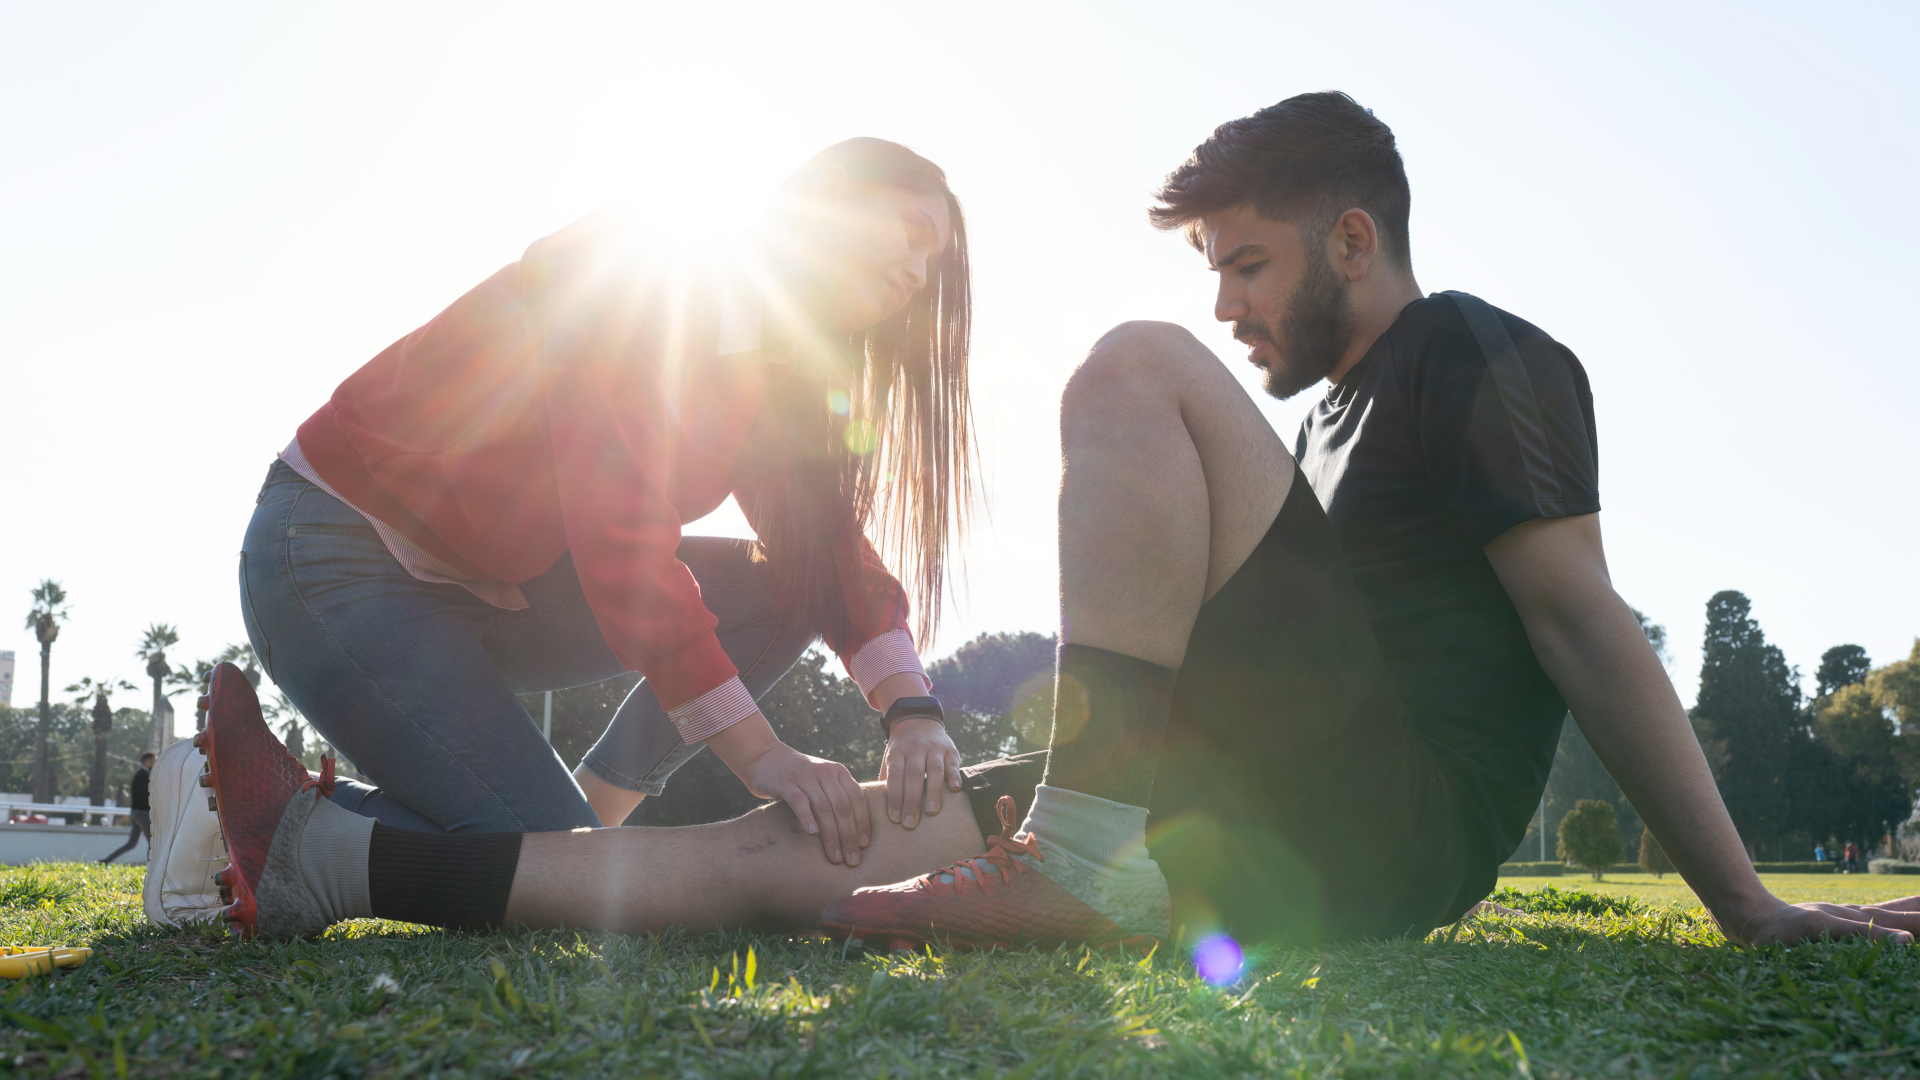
910 706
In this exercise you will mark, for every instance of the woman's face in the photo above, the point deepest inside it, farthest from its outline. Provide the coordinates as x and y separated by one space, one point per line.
865 249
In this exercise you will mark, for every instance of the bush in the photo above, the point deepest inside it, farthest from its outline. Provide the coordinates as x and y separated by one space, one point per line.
1551 901
812 709
1795 867
1532 869
1590 837
1892 866
1652 859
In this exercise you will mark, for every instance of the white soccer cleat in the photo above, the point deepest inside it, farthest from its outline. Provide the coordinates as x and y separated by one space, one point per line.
186 850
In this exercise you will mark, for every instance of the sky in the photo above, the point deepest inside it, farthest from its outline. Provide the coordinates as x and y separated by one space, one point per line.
214 213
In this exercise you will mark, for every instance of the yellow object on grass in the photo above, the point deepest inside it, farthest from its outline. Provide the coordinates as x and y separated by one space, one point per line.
20 961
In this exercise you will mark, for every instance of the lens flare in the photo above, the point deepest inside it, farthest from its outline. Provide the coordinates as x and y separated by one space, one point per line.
1218 959
861 437
838 402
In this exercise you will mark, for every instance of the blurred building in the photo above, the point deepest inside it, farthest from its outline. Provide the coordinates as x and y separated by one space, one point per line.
6 676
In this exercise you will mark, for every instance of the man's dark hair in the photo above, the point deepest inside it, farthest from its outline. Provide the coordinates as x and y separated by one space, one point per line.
1308 160
146 757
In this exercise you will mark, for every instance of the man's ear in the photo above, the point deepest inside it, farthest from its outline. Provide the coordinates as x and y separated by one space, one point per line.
1353 243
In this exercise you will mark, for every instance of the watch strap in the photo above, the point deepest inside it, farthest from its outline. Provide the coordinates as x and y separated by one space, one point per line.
910 706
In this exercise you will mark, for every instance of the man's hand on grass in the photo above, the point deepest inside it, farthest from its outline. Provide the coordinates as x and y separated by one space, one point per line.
920 754
1791 924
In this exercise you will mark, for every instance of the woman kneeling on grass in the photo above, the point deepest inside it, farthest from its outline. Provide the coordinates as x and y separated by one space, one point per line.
493 506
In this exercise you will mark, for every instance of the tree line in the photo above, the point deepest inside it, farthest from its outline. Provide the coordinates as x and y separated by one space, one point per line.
997 692
1794 770
78 745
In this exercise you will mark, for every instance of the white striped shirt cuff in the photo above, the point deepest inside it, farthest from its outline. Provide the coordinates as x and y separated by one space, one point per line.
889 654
713 712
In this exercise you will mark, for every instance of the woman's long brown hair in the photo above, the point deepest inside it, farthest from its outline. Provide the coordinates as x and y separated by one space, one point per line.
898 461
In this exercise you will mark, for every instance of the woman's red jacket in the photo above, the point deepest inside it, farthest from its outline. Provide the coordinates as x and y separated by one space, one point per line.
575 401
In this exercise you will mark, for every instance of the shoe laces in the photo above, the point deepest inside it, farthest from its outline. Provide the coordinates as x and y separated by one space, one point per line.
325 780
1000 854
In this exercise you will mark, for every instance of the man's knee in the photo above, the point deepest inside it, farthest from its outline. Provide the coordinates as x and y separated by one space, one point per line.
1149 336
1131 365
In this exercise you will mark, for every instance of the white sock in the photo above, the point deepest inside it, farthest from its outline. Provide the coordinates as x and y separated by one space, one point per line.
1107 834
333 860
1096 849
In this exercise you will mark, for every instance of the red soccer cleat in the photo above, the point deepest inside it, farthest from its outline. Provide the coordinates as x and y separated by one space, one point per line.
968 905
253 778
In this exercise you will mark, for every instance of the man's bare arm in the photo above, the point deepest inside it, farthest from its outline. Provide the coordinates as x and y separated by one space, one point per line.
1590 644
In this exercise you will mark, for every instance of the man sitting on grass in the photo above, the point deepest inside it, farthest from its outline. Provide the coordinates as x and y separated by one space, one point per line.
1284 722
1296 724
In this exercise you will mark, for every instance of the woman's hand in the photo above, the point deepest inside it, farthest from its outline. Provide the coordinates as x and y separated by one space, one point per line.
1790 924
823 796
919 755
821 792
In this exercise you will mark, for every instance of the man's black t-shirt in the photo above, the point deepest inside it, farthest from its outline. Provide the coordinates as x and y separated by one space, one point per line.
140 785
1460 422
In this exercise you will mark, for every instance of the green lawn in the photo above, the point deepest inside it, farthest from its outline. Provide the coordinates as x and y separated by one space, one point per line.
1591 985
1793 888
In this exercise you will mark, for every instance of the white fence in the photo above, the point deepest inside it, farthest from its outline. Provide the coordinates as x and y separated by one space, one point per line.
94 833
72 808
23 844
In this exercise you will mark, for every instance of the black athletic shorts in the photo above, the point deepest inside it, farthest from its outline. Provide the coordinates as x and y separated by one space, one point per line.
1295 802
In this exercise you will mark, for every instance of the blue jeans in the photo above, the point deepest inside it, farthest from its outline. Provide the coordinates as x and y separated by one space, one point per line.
414 682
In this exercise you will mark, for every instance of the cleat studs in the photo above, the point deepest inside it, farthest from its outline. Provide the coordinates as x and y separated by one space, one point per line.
204 703
206 780
213 804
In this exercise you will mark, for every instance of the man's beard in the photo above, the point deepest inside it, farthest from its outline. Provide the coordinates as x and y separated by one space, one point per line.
1318 328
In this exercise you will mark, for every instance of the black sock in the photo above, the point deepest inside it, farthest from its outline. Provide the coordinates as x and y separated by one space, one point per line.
1109 717
985 781
456 880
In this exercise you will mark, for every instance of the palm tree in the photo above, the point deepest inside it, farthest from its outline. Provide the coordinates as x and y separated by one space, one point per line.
98 689
195 677
282 708
153 649
49 608
243 656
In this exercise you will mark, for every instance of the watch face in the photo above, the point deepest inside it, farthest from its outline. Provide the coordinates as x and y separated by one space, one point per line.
913 706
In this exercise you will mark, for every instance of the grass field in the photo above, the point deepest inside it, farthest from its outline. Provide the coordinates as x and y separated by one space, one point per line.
1625 979
1670 891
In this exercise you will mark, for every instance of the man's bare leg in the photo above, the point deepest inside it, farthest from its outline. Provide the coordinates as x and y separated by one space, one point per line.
758 870
299 863
1172 478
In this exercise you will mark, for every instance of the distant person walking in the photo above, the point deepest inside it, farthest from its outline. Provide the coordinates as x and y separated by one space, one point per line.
139 809
1851 862
1819 853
